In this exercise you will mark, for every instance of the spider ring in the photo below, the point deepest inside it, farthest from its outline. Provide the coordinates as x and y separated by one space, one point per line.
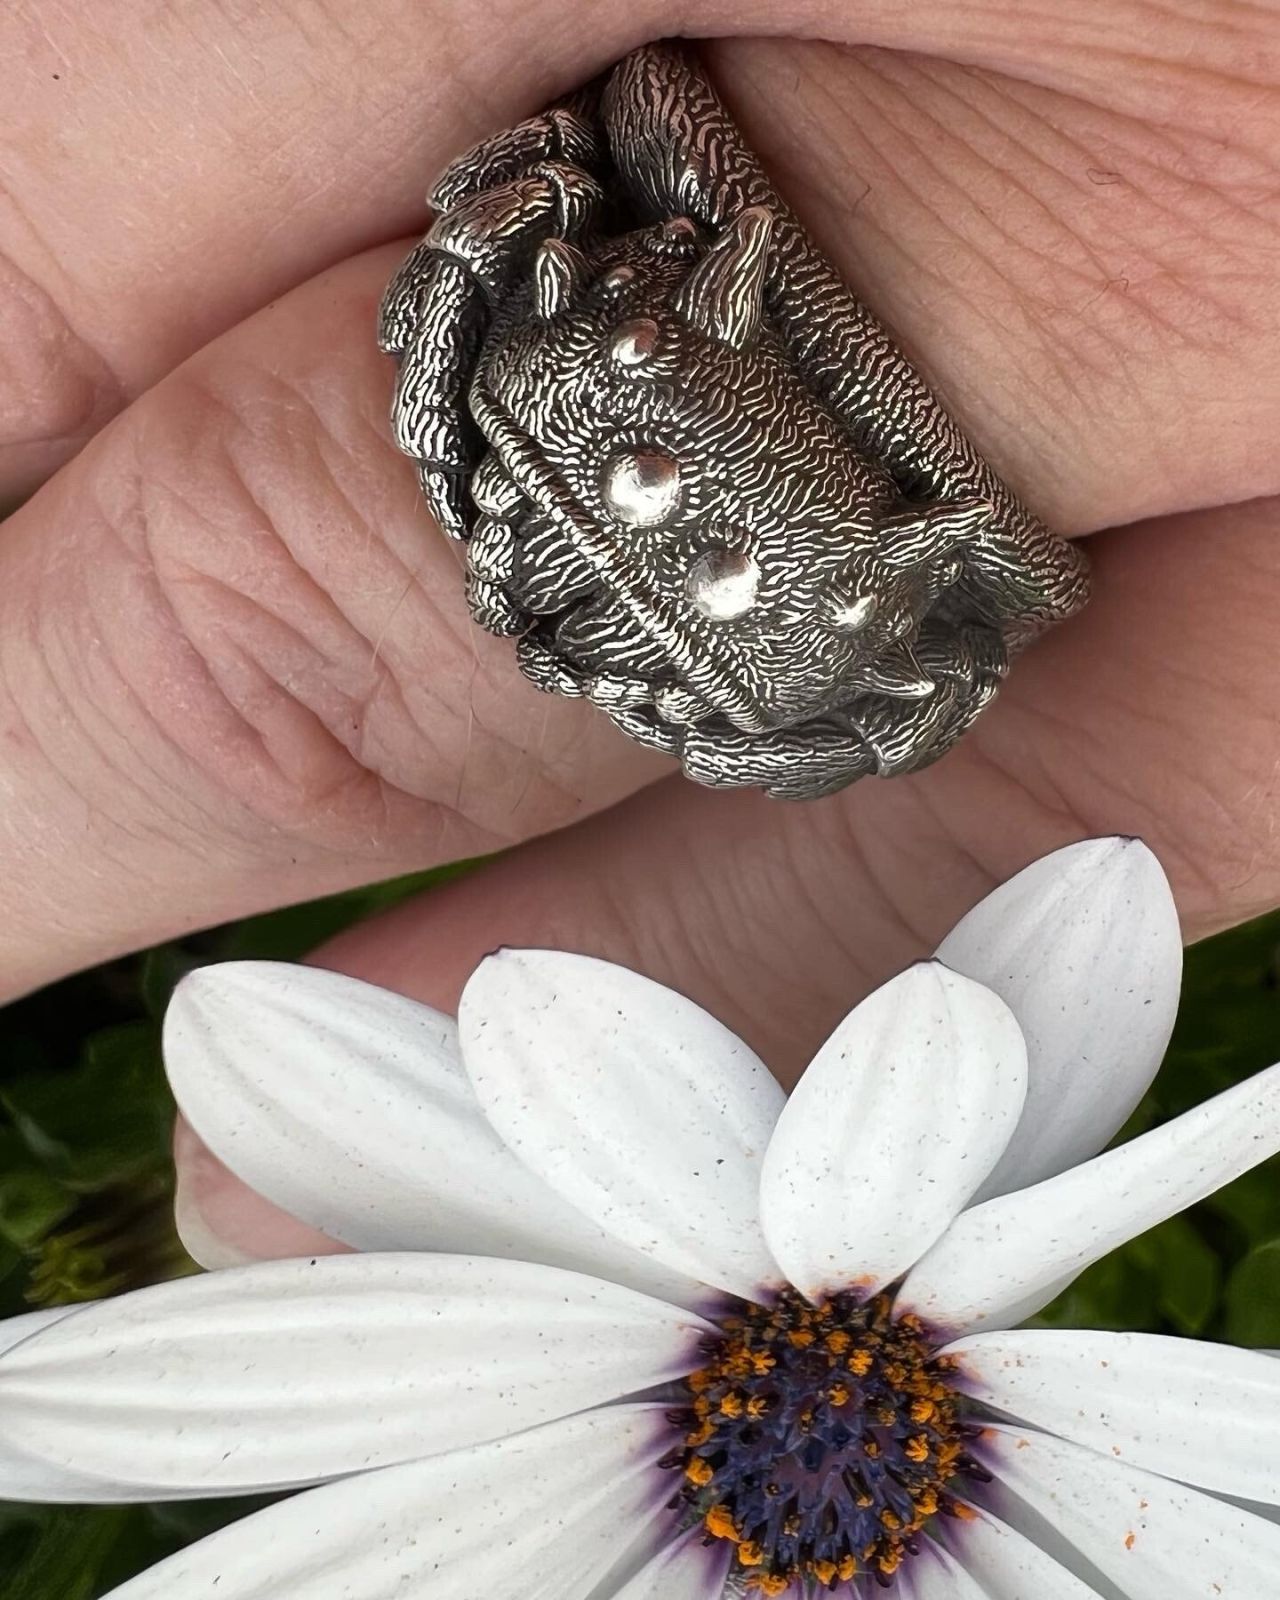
696 481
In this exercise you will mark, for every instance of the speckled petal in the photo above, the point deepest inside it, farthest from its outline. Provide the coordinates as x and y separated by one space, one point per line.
536 1517
1152 1538
347 1106
642 1111
1084 946
291 1372
1001 1261
27 1477
1206 1413
899 1118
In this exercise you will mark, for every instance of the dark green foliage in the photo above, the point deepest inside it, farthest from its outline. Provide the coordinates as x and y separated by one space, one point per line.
85 1185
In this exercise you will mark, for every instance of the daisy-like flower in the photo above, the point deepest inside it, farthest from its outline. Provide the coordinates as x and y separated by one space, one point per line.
619 1321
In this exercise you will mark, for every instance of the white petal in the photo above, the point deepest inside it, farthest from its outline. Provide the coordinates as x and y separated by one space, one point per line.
1207 1413
534 1517
13 1330
293 1371
1004 1259
22 1476
1084 946
935 1574
1009 1566
1154 1539
896 1122
635 1105
682 1569
347 1106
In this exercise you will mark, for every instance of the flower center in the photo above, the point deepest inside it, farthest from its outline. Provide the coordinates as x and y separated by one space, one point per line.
820 1440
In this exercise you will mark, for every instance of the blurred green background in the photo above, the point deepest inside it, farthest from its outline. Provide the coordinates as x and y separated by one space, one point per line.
85 1185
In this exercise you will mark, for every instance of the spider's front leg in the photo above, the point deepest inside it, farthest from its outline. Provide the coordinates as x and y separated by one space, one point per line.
496 204
966 665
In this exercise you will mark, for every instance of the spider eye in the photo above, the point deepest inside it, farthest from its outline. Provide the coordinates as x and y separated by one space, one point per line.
851 613
642 487
723 584
634 342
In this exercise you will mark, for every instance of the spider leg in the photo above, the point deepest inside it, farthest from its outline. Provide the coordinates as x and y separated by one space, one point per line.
966 664
437 307
441 303
569 132
800 763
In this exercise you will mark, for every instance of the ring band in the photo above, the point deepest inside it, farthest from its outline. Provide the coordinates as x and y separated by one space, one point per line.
695 479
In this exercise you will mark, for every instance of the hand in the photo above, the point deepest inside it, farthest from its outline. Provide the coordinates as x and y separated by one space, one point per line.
237 668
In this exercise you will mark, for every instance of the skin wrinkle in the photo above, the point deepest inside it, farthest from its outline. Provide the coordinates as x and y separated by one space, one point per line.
55 387
1040 255
75 697
1161 312
298 805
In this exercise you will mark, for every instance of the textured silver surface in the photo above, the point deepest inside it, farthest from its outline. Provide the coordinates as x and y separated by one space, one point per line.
696 480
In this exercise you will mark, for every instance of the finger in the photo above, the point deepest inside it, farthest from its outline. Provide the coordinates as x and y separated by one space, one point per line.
1081 262
1153 714
164 179
236 664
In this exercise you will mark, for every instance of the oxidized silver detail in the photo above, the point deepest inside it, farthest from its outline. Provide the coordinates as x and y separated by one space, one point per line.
642 487
723 584
635 341
696 480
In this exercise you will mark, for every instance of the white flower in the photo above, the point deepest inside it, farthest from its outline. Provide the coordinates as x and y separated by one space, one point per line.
625 1197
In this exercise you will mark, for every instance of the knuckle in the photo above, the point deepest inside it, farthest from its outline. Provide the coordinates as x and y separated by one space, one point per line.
55 388
317 621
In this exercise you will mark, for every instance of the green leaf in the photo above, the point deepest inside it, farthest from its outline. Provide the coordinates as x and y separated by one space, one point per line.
1253 1299
32 1203
1185 1272
161 969
62 1561
106 1120
1118 1292
1252 1204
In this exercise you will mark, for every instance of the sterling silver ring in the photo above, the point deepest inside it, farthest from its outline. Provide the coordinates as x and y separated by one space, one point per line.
696 481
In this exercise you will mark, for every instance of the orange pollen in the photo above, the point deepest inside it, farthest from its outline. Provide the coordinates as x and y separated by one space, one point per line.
719 1523
818 1440
770 1584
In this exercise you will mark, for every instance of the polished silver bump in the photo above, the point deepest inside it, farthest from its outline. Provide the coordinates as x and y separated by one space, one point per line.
723 584
851 615
677 237
634 342
617 278
642 487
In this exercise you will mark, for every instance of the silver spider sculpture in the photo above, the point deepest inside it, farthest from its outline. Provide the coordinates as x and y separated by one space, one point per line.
695 479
